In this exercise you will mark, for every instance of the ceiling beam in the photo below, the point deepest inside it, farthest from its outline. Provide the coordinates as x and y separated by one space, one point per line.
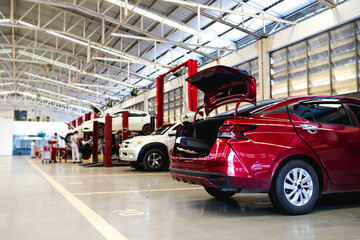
327 3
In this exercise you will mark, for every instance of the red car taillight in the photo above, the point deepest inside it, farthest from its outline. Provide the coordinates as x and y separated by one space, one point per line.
234 131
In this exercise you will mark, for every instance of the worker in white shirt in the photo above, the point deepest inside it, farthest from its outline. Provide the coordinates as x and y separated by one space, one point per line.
33 149
75 141
54 139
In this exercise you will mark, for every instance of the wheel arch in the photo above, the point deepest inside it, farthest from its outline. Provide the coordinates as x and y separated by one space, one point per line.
149 146
307 159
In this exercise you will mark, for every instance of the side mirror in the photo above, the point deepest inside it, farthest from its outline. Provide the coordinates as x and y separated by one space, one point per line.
172 133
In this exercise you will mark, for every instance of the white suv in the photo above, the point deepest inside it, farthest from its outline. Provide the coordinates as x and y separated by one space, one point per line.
66 135
150 152
139 121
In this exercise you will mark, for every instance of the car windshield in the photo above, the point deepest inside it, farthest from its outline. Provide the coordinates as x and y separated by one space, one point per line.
249 109
163 129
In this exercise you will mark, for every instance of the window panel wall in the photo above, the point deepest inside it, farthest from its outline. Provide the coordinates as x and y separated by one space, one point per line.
137 106
324 64
343 67
252 67
152 105
173 105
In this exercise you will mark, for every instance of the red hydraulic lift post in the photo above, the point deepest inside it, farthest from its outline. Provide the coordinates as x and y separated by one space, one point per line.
87 118
79 121
192 91
159 101
95 147
108 141
125 126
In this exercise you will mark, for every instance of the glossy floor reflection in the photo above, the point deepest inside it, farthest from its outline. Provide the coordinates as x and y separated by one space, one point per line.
142 205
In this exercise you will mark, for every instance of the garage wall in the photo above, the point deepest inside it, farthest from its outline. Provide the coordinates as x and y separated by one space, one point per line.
7 111
6 139
33 128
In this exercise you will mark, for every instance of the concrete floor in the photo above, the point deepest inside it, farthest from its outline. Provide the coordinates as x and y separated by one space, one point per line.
66 201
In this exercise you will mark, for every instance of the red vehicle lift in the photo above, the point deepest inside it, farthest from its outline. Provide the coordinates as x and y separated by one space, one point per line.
125 126
192 91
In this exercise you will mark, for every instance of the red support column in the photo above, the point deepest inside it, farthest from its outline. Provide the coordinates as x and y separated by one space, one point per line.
79 121
108 141
125 126
159 101
53 151
95 147
192 91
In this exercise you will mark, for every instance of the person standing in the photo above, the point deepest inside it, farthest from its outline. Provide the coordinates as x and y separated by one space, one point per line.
75 141
33 149
55 140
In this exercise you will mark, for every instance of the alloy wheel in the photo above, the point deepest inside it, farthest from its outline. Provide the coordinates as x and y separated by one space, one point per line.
147 130
154 160
298 187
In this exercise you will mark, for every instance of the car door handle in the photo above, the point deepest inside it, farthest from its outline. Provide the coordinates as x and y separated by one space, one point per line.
310 128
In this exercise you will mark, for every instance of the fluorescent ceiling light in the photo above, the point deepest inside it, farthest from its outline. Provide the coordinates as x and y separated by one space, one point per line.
5 51
78 107
60 64
6 84
5 20
167 21
23 85
75 87
92 44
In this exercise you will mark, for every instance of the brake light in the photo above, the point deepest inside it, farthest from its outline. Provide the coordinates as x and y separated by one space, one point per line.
235 131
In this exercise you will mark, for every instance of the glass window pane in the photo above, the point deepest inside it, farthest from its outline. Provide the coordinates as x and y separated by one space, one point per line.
297 69
303 111
356 110
343 67
278 69
318 53
332 113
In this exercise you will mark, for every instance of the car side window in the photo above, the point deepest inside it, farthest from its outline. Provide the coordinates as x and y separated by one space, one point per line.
331 113
135 114
356 110
303 111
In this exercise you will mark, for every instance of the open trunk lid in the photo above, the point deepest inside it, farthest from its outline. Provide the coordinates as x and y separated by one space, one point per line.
96 110
69 125
222 85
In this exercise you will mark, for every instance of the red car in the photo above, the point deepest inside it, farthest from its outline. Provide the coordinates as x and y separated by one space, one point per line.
294 148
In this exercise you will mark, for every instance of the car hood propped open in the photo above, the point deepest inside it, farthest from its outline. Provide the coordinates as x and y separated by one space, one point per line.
222 85
96 110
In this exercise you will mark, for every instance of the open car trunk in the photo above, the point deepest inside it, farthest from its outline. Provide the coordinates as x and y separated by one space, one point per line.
198 139
221 85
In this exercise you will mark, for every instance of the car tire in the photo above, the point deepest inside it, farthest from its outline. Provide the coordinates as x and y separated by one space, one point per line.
101 130
218 193
137 166
147 129
154 160
295 188
68 138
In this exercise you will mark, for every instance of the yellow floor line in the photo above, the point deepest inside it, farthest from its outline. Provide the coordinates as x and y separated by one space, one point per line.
138 191
104 228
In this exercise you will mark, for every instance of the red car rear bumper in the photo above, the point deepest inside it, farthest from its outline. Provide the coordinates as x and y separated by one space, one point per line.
224 168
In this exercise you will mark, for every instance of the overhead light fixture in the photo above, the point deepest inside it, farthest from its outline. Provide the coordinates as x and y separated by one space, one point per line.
75 87
5 51
167 21
67 66
134 92
6 84
48 68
